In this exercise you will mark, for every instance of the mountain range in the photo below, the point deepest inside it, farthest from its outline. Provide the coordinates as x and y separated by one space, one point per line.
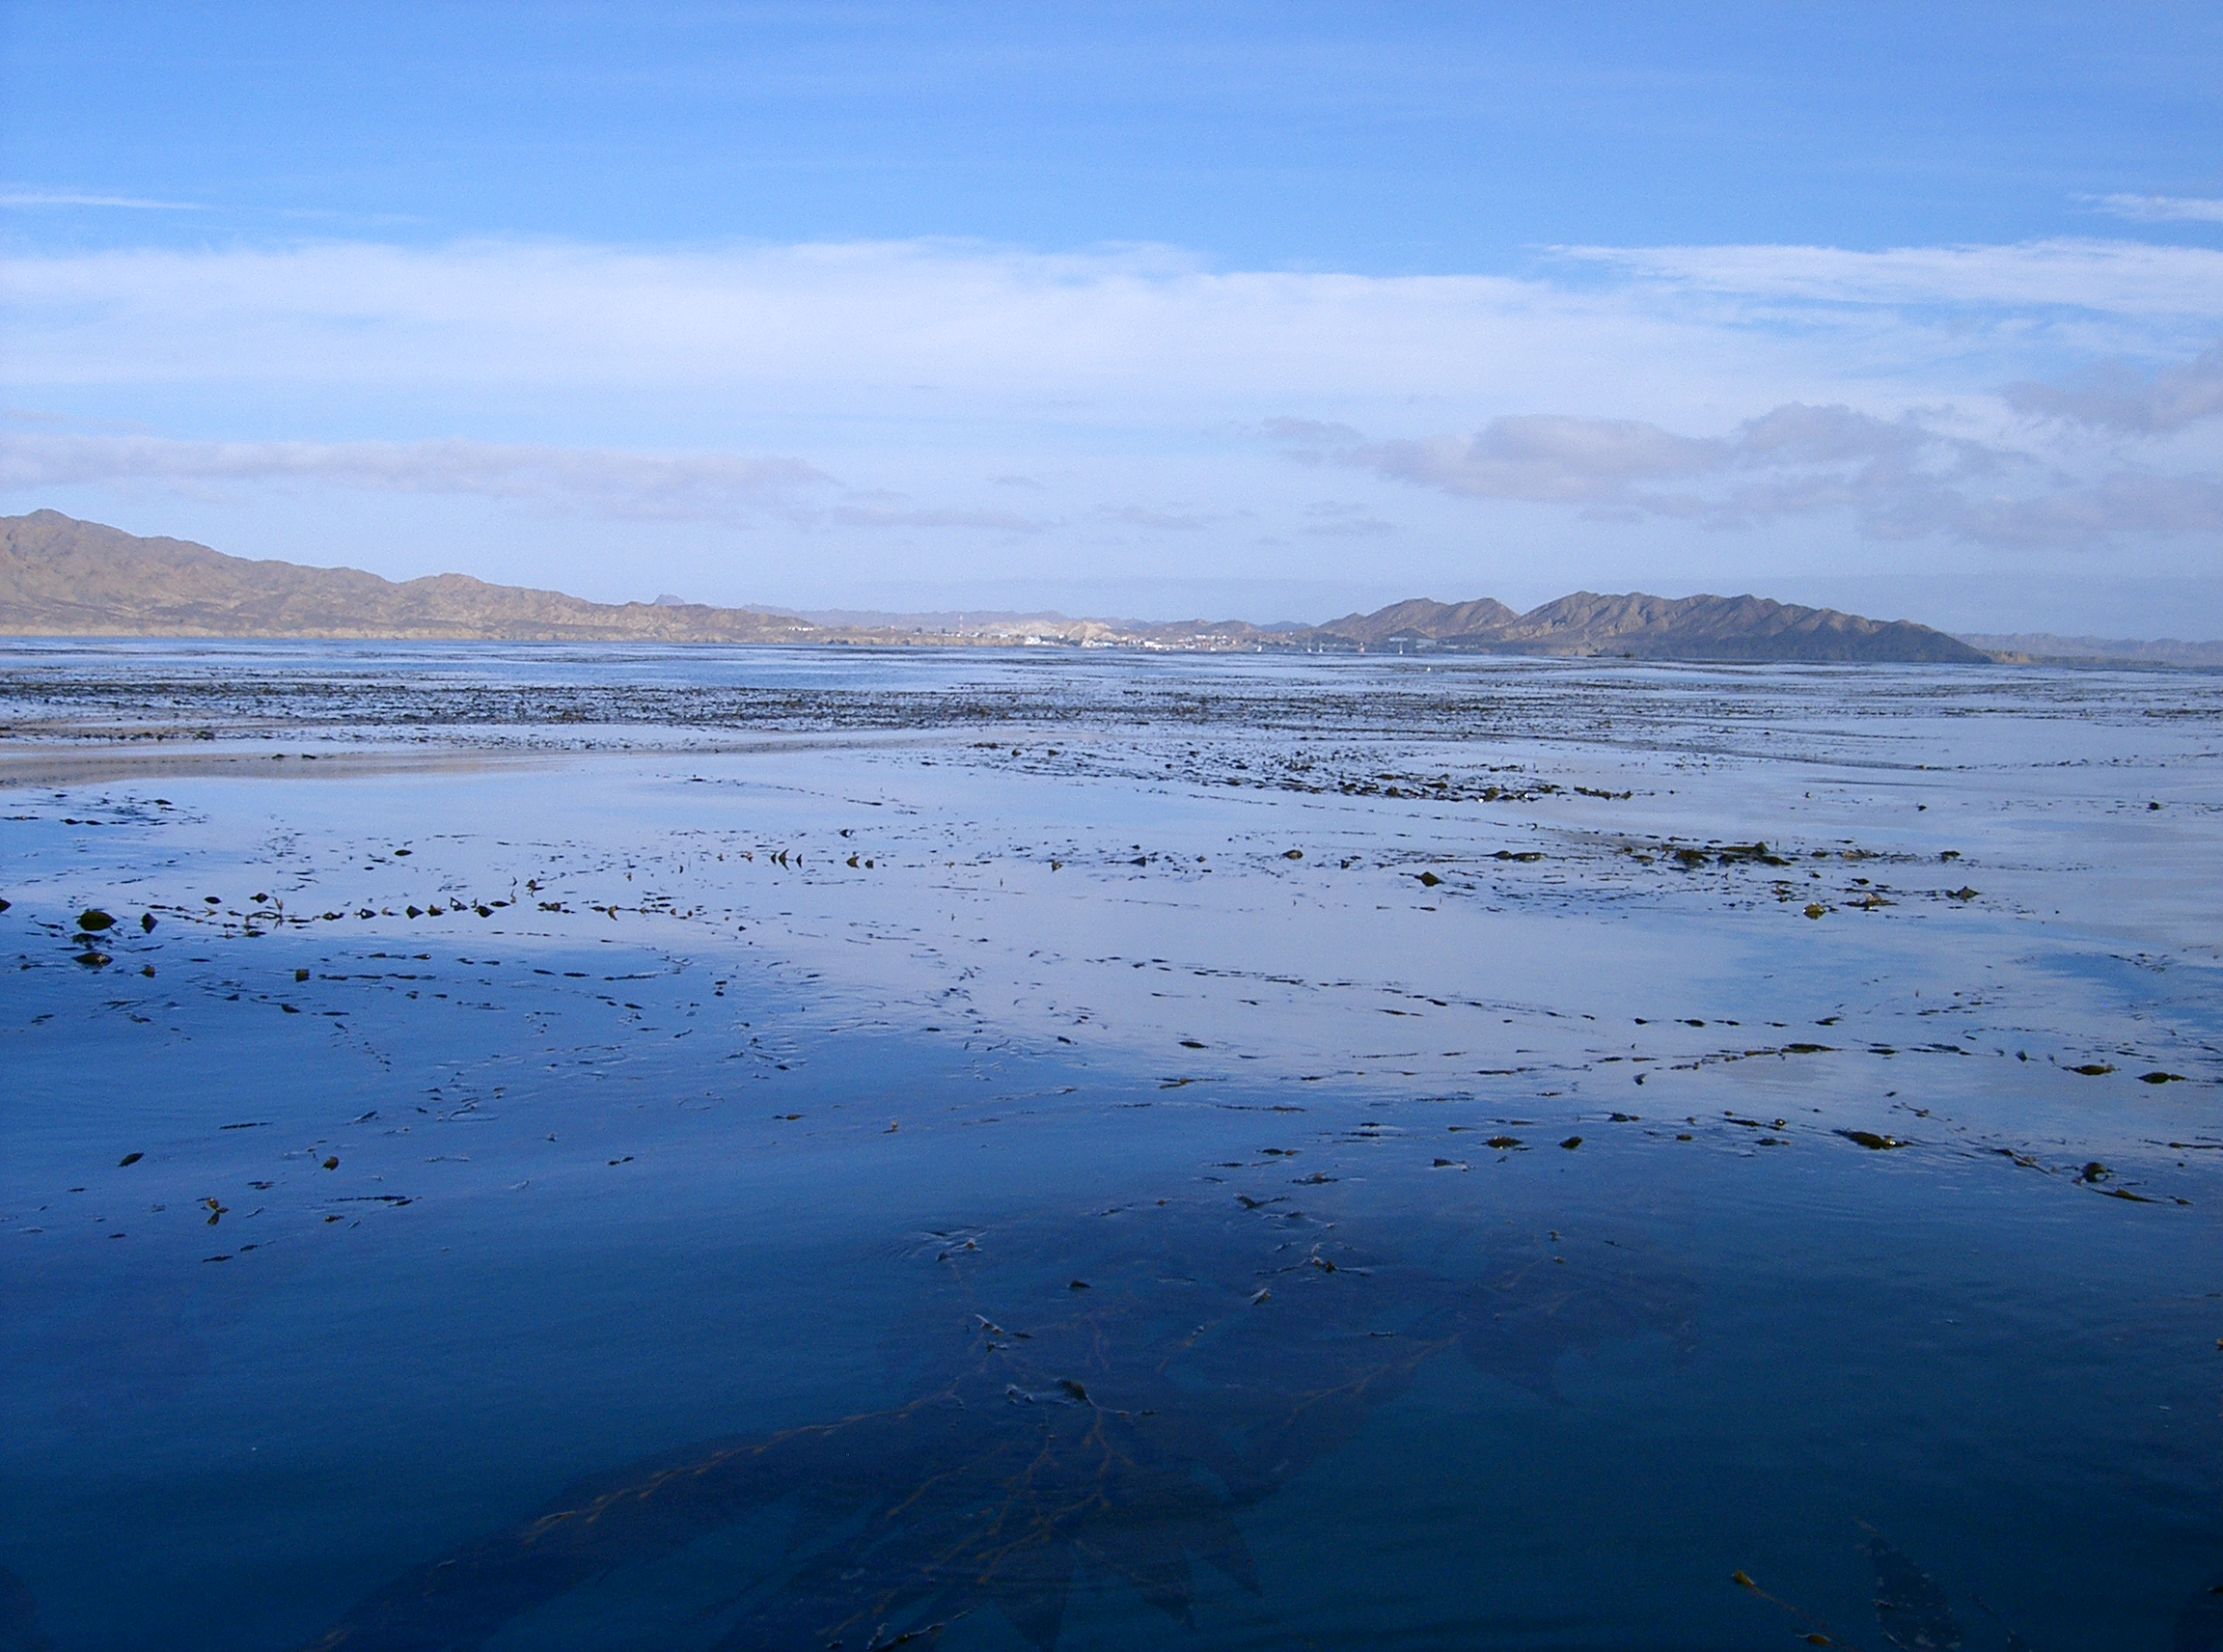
63 577
2095 650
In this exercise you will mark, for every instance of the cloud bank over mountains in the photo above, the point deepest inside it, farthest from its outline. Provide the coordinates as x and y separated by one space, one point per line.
2113 395
1894 479
1130 408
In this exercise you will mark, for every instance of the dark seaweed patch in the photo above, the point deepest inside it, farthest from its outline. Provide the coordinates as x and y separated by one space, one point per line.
1117 1436
1911 1609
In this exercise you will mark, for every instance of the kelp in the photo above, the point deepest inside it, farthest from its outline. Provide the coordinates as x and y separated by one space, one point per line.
1051 1433
1911 1609
1915 1614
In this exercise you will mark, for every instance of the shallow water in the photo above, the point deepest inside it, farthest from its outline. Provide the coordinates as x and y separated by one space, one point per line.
1056 1149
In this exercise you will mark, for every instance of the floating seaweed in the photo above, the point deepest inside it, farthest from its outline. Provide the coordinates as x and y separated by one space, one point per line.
1052 1434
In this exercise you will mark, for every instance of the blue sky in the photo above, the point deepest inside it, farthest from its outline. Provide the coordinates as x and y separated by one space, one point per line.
1268 310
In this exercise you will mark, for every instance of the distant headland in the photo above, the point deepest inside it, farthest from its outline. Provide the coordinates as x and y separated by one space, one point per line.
63 577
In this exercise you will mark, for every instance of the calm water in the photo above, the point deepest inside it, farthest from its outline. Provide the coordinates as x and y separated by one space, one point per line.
705 1149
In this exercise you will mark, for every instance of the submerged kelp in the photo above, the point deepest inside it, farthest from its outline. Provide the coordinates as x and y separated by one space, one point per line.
1114 1424
1915 1613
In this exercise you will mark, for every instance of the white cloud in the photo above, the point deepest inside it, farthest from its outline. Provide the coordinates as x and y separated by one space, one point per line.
1174 519
1342 519
734 488
2161 209
2129 279
2128 502
730 487
800 347
1014 406
1538 457
901 330
1896 479
2115 396
929 516
22 197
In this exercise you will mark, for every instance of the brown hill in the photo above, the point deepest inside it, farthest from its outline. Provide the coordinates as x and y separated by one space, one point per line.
2049 645
1654 627
63 577
1421 617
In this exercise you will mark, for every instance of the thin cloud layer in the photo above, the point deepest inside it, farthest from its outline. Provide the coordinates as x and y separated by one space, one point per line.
1540 457
18 196
734 488
934 379
925 516
2162 208
2106 277
899 328
604 482
2114 396
1895 478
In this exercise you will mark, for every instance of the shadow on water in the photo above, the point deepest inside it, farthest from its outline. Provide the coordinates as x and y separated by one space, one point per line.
1061 1425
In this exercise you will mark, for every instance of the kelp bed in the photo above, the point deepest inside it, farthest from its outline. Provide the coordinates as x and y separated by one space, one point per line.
1114 1426
1111 1428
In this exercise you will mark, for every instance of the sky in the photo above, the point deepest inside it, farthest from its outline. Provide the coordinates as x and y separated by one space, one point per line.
1269 311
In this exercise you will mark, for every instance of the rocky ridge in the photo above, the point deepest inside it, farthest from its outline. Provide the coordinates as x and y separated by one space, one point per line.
63 577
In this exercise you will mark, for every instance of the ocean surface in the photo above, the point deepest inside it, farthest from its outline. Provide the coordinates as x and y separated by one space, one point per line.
696 1148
